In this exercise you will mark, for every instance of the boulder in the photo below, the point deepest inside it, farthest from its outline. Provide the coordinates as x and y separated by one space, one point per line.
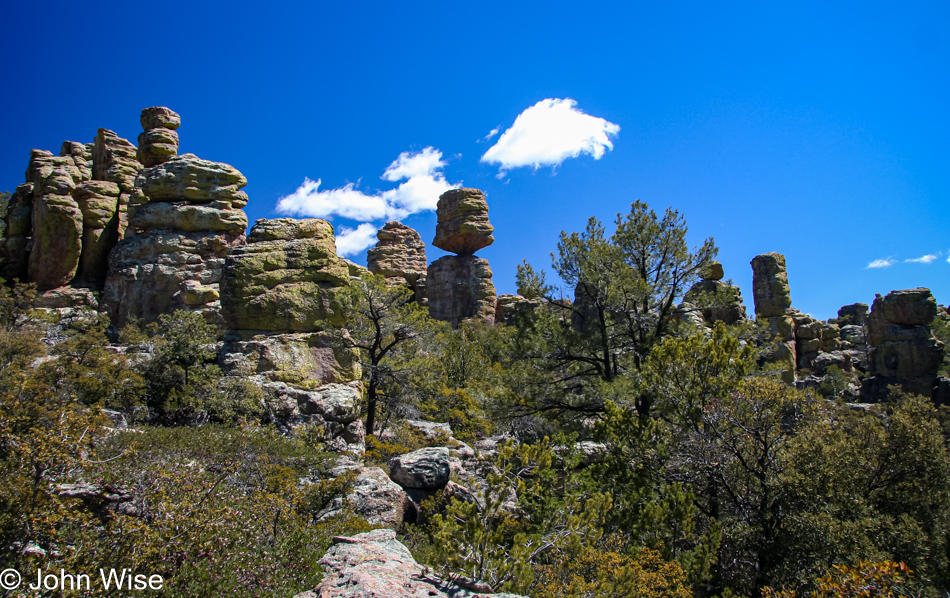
770 289
400 253
379 500
189 178
459 288
332 402
910 307
217 216
508 307
376 565
423 469
159 117
288 278
854 314
463 225
712 271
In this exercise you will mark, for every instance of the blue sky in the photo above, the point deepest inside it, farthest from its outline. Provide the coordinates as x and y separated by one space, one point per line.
818 130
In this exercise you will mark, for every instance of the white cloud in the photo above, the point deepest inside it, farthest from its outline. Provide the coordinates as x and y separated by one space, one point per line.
424 183
351 241
548 133
491 134
926 259
881 263
948 260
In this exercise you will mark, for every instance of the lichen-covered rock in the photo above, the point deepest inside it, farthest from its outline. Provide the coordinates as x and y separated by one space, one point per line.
400 253
296 358
378 499
57 229
376 565
910 307
712 271
148 272
114 159
189 178
854 314
217 216
332 402
158 141
288 278
770 289
99 203
459 288
424 469
463 225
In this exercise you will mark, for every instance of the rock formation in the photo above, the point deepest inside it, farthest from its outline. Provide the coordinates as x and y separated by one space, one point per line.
772 298
459 287
376 565
158 142
14 254
186 216
903 348
716 300
400 256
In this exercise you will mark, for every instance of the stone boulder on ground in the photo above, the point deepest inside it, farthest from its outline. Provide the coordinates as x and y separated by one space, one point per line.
376 565
423 469
463 225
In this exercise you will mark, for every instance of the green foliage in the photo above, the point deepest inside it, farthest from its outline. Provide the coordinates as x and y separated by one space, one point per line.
389 329
531 283
834 383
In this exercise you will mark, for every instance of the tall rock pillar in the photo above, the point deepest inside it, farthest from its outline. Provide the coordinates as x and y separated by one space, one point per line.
459 286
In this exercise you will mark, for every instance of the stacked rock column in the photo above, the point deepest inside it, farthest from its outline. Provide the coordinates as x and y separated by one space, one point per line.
773 300
459 287
400 256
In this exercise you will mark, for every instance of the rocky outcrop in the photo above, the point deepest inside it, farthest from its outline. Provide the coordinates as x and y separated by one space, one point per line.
158 141
184 217
99 203
459 288
509 307
306 358
57 220
770 285
377 499
716 300
813 337
903 347
287 278
376 565
463 227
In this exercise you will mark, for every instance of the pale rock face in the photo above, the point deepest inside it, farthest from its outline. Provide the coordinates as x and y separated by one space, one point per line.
770 285
463 225
57 225
297 358
399 253
189 178
288 278
376 565
460 287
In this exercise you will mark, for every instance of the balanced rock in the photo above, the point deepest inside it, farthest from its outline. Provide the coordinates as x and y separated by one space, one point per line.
712 271
288 278
463 225
400 253
770 289
158 141
459 288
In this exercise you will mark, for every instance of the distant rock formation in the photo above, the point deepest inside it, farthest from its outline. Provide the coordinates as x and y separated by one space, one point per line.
400 257
459 287
773 299
715 300
903 348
